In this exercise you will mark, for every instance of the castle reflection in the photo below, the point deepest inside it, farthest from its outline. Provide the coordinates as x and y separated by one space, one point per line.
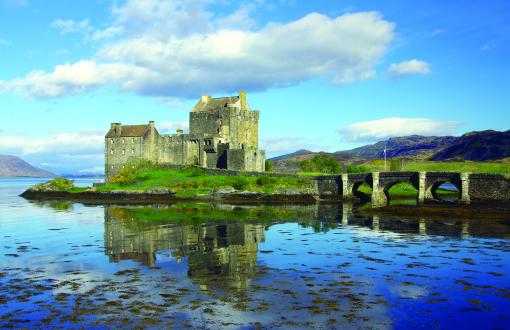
214 250
220 242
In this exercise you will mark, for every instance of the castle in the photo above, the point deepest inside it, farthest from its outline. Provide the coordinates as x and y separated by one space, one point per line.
223 133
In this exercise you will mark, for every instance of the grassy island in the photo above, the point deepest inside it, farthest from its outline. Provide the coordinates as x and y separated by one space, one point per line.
194 181
191 182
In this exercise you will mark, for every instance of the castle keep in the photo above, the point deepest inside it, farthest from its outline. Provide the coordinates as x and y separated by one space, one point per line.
223 133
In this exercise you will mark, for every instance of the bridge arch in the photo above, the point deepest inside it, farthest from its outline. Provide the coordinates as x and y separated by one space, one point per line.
363 197
387 187
387 180
431 190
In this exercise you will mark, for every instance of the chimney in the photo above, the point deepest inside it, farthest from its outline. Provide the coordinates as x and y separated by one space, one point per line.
180 131
205 98
151 124
116 127
242 97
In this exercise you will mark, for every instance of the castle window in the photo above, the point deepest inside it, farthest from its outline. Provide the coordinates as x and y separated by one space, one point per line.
111 141
132 140
123 151
111 167
123 141
111 151
132 151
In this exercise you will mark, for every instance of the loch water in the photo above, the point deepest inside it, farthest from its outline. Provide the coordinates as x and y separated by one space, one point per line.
217 266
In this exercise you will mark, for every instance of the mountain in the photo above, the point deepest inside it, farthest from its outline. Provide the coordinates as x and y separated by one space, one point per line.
478 146
300 152
12 166
413 146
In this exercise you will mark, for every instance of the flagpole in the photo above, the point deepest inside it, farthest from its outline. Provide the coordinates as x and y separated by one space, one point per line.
384 158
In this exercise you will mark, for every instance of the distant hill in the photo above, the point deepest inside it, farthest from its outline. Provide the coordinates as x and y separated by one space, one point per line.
413 146
478 146
300 152
12 166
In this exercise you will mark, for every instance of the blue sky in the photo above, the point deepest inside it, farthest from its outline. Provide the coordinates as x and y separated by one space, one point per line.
326 75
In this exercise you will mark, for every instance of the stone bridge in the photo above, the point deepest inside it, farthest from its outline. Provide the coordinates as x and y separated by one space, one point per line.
477 187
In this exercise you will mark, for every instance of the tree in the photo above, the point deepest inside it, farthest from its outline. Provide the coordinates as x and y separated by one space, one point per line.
269 166
322 164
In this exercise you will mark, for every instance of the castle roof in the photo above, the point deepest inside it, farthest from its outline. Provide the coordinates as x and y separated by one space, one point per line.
129 131
207 103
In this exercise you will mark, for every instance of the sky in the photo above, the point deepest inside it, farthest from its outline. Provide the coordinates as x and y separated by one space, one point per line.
326 75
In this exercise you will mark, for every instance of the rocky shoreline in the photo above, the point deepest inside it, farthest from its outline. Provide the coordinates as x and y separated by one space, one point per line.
159 195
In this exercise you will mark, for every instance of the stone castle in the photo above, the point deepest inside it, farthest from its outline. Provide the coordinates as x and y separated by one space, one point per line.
223 133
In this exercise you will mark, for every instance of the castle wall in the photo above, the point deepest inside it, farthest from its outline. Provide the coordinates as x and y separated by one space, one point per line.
246 160
120 151
220 137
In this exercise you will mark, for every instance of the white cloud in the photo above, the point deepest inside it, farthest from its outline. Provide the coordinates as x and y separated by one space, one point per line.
411 67
14 3
70 26
5 42
172 126
381 129
107 33
178 49
240 19
438 31
62 152
486 47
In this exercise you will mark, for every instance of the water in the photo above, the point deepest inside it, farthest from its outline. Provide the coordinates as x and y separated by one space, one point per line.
219 266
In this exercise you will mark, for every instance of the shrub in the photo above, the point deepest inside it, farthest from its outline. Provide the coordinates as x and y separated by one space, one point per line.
265 180
396 164
60 184
129 173
269 166
240 183
194 171
321 163
303 181
357 169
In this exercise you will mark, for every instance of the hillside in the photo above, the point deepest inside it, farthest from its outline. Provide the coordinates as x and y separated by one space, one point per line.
12 166
414 146
478 146
473 146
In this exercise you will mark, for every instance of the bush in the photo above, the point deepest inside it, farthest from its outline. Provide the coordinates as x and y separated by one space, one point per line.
61 184
129 173
269 166
265 180
194 171
357 169
321 163
396 164
240 183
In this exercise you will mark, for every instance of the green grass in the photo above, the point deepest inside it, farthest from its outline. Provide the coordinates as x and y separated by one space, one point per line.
191 213
192 182
499 167
312 173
